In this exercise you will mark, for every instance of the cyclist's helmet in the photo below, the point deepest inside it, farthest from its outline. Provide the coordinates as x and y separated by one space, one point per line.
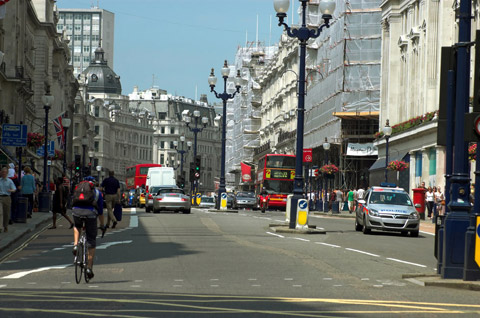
89 178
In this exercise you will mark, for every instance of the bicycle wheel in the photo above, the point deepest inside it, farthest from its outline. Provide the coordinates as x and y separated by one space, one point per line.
85 262
78 259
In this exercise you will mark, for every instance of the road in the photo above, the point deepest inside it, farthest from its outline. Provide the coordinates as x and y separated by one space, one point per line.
209 264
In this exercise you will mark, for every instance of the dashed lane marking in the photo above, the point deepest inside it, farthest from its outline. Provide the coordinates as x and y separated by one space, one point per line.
301 239
405 262
362 252
281 236
3 286
42 269
329 245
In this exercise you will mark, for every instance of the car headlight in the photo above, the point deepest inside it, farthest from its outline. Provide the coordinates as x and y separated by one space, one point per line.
414 216
373 212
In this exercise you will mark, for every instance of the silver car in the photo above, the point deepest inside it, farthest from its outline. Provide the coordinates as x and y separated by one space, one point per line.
387 209
173 199
207 202
246 200
151 193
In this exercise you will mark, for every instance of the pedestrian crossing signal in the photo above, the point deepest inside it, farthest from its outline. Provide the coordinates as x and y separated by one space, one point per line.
198 161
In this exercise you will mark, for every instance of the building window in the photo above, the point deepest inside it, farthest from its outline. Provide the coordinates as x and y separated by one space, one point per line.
76 150
162 144
97 129
418 164
432 165
96 146
162 116
78 28
97 111
171 145
86 49
172 130
75 108
162 130
76 128
162 159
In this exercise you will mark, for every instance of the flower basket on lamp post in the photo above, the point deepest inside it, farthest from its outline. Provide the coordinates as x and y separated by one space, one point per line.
397 165
35 140
59 155
329 171
472 150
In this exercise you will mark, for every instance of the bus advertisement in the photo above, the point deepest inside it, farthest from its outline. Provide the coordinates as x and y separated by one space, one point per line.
137 175
276 173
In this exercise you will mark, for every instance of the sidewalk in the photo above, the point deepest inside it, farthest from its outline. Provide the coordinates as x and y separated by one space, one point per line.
16 231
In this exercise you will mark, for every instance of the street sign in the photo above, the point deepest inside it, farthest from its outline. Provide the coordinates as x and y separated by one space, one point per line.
51 149
307 155
223 201
302 214
14 135
477 242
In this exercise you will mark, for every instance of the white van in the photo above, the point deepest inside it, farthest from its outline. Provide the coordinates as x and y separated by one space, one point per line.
160 176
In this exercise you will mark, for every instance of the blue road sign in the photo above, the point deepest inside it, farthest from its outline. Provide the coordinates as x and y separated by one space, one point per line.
303 205
224 195
51 149
14 135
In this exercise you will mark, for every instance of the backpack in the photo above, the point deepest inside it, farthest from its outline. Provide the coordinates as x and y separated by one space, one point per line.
85 195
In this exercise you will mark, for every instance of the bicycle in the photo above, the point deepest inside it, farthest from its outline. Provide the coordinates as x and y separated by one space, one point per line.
81 258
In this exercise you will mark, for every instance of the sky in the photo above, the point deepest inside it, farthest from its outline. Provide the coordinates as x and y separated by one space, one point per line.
173 44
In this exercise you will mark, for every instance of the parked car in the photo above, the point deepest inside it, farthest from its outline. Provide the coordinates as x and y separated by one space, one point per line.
231 201
387 209
152 191
246 200
171 199
207 202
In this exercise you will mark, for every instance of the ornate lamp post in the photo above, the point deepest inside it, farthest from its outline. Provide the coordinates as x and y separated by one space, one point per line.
66 122
387 131
326 147
84 146
99 168
212 80
91 153
195 130
303 34
182 151
44 196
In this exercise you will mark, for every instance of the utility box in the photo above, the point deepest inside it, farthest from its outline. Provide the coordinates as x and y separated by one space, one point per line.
288 209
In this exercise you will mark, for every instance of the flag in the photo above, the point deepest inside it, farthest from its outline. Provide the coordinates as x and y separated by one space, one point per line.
246 172
2 8
57 123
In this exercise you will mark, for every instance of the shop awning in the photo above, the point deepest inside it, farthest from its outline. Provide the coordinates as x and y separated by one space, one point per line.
380 163
357 115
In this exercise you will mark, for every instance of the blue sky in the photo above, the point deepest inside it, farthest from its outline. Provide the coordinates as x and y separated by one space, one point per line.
179 41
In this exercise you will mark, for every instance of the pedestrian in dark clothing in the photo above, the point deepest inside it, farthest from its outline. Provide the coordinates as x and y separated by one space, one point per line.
59 203
111 189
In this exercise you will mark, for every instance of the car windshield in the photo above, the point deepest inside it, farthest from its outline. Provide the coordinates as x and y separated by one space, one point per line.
207 199
178 191
245 195
393 198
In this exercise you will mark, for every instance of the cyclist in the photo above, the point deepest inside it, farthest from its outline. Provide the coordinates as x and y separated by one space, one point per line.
87 215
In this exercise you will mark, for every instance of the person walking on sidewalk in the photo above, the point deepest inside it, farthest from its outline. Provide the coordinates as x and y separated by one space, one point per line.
430 200
111 188
351 200
7 187
28 187
60 204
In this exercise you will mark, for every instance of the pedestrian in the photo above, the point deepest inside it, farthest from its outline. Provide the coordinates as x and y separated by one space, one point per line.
111 187
12 174
351 201
429 200
87 207
360 194
28 187
7 187
440 201
59 203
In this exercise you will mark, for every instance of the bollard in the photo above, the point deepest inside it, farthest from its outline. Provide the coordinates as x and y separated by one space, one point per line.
335 207
302 214
319 204
22 207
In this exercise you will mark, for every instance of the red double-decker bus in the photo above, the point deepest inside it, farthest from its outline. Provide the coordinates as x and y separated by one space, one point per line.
275 173
137 175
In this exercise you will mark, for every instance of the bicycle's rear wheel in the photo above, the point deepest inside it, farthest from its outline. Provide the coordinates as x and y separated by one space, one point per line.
79 261
85 262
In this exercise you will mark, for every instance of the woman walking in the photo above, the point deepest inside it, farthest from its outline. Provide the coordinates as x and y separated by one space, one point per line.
28 187
430 200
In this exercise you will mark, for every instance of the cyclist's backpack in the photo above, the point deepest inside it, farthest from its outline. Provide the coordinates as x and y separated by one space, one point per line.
84 195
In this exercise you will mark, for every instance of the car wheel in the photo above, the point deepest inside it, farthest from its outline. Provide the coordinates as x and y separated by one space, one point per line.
358 226
414 233
366 230
187 211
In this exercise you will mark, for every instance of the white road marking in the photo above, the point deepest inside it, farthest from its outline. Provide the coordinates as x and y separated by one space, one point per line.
365 279
93 286
288 279
328 278
214 279
31 283
252 279
2 286
134 221
326 244
66 282
133 211
405 262
107 245
297 286
362 252
10 262
138 281
432 234
58 249
256 285
337 285
281 236
300 239
135 286
377 285
42 269
214 285
179 280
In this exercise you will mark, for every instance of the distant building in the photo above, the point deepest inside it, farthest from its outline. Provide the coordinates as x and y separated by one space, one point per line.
86 28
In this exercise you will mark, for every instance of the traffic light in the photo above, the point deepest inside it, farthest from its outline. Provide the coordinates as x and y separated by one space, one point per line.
192 171
181 182
198 162
77 163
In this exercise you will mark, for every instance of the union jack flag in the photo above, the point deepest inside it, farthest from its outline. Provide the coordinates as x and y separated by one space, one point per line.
57 123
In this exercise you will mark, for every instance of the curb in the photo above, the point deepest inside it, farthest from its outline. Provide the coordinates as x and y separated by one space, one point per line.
438 281
16 235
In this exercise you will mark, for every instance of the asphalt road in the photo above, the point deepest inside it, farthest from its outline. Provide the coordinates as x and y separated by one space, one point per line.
228 265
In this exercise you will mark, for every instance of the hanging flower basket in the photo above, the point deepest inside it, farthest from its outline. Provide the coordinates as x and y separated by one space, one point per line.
59 155
329 170
472 152
35 140
397 165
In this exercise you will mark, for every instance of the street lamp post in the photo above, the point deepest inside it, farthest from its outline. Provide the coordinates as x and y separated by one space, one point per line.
90 156
387 131
44 196
225 96
303 34
195 130
84 146
99 168
182 151
66 122
326 147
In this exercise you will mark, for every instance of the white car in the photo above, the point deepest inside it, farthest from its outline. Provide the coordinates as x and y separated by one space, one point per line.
207 202
387 209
